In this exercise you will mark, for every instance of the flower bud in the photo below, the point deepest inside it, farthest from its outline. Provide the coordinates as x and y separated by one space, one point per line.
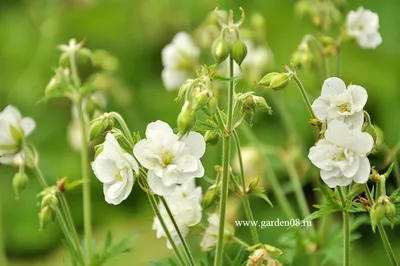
49 199
275 81
100 125
46 215
19 182
262 105
201 98
211 196
186 119
211 137
212 105
98 149
390 211
220 50
238 51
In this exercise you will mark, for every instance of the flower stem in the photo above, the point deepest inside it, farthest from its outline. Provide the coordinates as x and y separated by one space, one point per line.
272 178
225 170
87 210
153 204
245 197
304 95
382 232
183 241
318 45
346 230
3 258
124 127
240 242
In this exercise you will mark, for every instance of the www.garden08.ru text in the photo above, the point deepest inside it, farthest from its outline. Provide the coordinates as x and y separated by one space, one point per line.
277 222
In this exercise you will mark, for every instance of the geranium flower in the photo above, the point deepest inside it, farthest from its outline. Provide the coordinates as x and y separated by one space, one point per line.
170 160
342 155
115 169
337 102
13 129
363 25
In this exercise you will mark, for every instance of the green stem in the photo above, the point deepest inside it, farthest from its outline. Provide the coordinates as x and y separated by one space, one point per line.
225 170
87 210
245 197
183 241
3 257
346 230
272 178
321 51
382 232
240 242
304 95
153 204
124 127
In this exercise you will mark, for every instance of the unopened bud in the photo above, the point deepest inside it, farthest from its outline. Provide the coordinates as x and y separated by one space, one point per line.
220 50
98 149
238 51
211 137
100 125
262 105
19 182
201 99
212 105
46 215
211 196
186 119
49 199
253 184
275 81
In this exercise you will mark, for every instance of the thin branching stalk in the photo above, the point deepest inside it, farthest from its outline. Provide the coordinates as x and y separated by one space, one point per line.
304 96
245 197
225 169
382 232
182 239
346 230
240 242
312 38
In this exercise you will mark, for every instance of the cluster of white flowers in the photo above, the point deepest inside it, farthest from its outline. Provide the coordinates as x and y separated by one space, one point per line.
115 168
178 59
342 154
170 159
13 129
363 25
185 205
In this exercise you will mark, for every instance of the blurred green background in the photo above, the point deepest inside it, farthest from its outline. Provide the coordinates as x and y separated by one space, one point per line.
135 32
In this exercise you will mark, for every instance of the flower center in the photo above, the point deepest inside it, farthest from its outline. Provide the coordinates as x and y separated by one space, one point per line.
118 176
343 108
166 158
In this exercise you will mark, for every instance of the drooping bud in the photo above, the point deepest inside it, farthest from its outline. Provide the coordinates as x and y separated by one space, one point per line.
262 105
49 199
19 182
276 81
186 119
239 51
220 50
211 137
46 215
211 196
382 207
201 98
100 125
212 105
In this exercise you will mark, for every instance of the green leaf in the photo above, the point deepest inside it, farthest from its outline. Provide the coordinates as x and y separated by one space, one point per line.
260 192
394 194
355 207
323 210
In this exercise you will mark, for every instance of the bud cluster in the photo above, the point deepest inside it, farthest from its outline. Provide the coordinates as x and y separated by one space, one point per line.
48 206
382 207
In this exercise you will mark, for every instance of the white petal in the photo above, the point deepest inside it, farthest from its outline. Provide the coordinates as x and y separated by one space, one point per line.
320 107
350 170
361 143
144 154
112 149
104 169
157 186
173 78
196 144
329 174
356 120
157 130
363 172
337 133
11 115
333 86
28 125
132 162
359 96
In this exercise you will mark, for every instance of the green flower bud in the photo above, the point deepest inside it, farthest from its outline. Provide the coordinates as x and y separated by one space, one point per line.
186 119
220 50
100 125
378 211
275 81
20 181
49 199
212 105
201 99
46 215
390 211
262 105
211 137
211 196
98 149
238 51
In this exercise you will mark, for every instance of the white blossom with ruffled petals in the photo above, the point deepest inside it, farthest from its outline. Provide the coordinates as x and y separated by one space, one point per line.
170 160
185 205
115 168
342 155
178 59
337 102
363 25
13 129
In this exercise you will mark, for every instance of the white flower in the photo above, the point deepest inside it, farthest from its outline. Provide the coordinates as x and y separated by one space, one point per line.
170 160
71 48
184 203
13 129
178 58
210 237
342 155
114 168
363 25
337 102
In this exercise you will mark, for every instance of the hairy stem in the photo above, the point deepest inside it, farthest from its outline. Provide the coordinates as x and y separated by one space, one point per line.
183 241
382 232
240 242
346 230
245 197
304 96
225 170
